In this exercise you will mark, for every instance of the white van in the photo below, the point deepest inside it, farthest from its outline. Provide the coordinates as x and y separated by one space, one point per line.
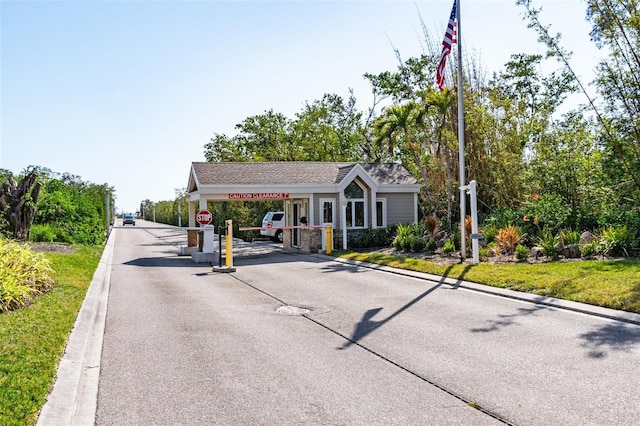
273 221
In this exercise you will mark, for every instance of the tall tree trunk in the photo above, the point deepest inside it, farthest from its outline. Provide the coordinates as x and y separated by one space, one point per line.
18 205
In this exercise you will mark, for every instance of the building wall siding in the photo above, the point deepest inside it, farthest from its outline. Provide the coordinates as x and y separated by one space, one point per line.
399 207
317 214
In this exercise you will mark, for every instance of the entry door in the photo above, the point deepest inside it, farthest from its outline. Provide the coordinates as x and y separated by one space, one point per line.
297 213
327 212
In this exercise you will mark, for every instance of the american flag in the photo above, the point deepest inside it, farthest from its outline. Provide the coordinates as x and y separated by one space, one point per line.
449 39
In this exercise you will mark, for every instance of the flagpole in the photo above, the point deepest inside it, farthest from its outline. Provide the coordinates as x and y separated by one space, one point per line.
463 188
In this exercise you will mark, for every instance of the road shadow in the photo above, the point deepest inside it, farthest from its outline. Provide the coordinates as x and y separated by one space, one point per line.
614 336
610 337
506 320
164 243
367 325
458 278
272 256
164 262
343 267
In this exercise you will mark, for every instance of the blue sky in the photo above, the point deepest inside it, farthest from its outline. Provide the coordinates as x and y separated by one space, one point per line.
129 92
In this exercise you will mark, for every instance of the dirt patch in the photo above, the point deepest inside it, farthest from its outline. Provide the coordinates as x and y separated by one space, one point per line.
53 248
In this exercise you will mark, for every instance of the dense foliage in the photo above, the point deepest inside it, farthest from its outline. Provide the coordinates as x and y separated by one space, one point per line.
68 210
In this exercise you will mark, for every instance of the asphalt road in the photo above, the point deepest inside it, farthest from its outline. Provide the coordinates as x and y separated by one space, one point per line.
185 345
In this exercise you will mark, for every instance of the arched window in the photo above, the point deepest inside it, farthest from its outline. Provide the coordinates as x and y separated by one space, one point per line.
355 216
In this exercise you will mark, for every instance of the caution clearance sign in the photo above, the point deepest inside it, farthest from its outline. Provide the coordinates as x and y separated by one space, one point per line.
260 196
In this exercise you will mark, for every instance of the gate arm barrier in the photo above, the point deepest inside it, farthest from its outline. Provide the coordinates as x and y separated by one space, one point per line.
264 228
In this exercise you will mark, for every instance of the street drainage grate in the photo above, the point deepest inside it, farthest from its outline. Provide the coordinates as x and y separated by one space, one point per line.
291 310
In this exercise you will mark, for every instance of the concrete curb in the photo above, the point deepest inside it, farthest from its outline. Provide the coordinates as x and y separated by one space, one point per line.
74 396
583 308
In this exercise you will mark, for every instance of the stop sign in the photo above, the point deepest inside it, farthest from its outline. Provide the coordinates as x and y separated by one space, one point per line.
204 217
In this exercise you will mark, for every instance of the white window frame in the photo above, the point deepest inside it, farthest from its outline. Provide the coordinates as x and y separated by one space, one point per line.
321 204
332 201
382 201
352 202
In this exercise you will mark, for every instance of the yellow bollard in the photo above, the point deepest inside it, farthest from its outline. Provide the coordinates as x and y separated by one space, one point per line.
329 239
229 244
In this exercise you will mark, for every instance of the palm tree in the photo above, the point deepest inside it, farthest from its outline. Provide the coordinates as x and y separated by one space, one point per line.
396 127
415 132
399 127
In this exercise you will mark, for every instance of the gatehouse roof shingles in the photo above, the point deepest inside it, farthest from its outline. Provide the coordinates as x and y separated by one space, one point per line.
287 173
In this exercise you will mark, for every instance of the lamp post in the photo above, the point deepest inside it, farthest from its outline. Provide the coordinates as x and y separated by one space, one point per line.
343 205
108 210
179 192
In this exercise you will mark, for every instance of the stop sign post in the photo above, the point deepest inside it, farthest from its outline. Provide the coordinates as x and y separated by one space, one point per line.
204 217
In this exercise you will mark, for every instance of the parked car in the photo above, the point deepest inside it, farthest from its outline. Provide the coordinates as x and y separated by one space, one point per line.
273 222
128 219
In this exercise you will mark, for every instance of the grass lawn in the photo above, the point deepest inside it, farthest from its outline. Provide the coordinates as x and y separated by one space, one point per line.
608 283
32 339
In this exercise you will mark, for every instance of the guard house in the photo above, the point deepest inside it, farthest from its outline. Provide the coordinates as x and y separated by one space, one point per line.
347 196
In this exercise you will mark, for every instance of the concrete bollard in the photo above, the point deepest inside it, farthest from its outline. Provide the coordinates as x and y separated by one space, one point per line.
209 239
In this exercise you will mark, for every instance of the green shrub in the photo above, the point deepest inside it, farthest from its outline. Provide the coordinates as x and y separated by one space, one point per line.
484 252
448 247
402 240
456 239
43 233
418 229
431 245
570 237
522 252
489 232
550 210
617 241
369 238
23 274
547 242
70 210
590 250
416 243
500 218
247 236
89 232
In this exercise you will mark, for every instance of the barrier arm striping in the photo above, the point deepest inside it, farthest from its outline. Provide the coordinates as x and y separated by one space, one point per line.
261 228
